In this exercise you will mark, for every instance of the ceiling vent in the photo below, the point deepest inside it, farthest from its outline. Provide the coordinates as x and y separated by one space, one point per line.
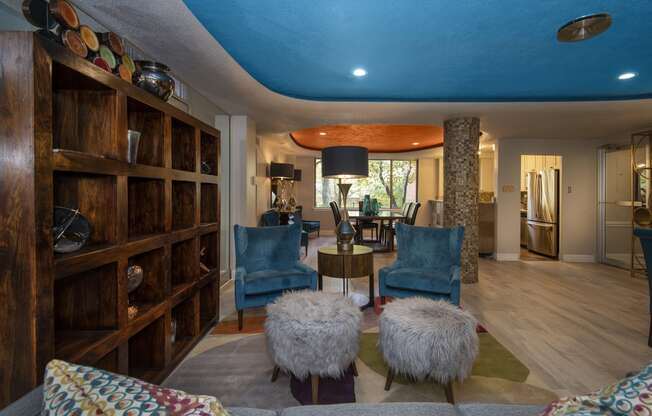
584 27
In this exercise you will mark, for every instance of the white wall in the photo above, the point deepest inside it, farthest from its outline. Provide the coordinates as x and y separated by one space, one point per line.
578 208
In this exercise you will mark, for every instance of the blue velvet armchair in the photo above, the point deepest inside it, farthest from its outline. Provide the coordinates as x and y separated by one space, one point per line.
272 218
427 265
267 265
645 235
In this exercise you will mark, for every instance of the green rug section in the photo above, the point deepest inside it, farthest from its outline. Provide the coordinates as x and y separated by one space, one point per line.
494 360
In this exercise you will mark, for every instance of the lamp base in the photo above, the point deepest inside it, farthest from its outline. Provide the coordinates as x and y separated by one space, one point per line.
345 233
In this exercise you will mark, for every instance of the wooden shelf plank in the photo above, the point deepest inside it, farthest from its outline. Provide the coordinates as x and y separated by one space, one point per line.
74 345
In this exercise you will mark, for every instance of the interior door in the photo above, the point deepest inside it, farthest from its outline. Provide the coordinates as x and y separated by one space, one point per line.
615 209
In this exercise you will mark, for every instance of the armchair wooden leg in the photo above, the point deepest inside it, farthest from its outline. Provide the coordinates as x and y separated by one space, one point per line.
314 383
649 338
390 378
354 368
448 390
240 319
275 373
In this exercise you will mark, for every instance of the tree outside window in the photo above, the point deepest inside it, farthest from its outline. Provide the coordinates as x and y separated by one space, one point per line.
392 182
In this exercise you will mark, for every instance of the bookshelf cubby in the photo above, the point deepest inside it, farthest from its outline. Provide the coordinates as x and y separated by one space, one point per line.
183 146
146 207
208 253
185 269
183 204
209 203
69 121
187 324
207 304
95 197
151 125
147 351
85 310
154 288
210 152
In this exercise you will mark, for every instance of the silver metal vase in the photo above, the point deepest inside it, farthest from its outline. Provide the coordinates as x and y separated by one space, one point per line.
345 231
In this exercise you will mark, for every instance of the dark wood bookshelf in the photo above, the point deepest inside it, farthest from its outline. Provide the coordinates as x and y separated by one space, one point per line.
64 130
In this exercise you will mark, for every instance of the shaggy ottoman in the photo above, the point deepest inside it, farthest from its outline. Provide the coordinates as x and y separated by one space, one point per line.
422 338
313 334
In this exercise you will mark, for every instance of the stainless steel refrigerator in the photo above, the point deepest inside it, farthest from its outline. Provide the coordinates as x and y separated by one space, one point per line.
543 212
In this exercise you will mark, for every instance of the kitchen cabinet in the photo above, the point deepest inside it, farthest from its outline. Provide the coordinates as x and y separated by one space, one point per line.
536 163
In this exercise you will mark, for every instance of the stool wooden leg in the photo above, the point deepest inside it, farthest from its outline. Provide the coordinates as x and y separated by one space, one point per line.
240 319
354 368
314 383
275 373
448 390
390 378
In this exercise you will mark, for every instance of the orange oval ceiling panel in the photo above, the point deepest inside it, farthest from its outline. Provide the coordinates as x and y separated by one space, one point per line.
378 138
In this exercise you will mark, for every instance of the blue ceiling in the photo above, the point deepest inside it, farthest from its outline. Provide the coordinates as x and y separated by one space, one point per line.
454 50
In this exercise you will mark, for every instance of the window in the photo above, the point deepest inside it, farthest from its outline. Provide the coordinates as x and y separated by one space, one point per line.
391 182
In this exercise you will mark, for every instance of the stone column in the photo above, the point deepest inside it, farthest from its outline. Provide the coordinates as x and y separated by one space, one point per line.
461 142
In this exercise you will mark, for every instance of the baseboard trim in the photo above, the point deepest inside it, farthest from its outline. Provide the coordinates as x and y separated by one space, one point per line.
578 258
507 256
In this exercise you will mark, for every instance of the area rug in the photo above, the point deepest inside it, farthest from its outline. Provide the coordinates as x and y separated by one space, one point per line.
237 369
494 360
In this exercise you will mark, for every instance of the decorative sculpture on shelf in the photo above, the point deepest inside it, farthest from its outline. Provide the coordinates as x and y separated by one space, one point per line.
134 279
71 230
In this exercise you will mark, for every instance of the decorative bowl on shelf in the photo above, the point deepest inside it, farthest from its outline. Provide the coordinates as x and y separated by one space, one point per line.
134 277
71 230
153 77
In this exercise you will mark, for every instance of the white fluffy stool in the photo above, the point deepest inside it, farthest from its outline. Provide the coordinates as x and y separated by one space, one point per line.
313 334
426 339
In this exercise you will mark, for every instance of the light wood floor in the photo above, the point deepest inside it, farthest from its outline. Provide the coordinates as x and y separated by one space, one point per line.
577 326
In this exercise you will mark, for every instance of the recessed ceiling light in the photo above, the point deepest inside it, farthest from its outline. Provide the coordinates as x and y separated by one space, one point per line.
322 133
626 75
415 143
359 72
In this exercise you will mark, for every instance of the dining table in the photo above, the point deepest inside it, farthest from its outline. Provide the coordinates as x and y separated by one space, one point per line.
383 216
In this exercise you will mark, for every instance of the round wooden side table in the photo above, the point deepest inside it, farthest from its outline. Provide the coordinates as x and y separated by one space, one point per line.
347 265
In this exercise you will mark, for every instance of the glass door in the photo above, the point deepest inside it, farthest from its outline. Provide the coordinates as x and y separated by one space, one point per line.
615 206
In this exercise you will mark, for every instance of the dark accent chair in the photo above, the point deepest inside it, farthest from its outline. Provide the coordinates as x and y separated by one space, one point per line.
267 265
337 216
427 264
388 229
309 226
410 219
272 218
645 235
366 224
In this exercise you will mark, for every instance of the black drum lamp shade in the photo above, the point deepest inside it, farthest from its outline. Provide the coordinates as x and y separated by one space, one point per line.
297 175
344 162
281 170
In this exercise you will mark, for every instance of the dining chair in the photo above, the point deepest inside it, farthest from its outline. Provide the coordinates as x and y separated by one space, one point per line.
367 224
337 216
309 226
389 228
645 235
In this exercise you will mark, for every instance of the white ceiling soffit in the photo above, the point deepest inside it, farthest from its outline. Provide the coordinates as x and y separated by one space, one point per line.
167 30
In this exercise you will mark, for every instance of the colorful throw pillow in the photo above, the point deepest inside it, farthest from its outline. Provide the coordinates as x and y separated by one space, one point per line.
75 390
631 396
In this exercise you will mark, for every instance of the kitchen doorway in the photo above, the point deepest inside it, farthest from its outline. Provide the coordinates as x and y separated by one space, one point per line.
540 207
